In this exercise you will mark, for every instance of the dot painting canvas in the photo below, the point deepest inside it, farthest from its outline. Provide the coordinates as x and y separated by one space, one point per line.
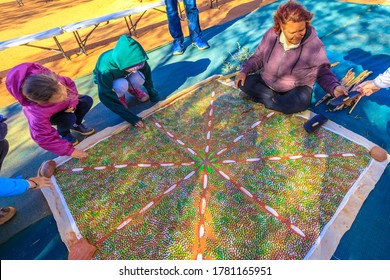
211 176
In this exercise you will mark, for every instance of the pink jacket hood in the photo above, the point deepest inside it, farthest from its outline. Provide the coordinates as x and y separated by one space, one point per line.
38 115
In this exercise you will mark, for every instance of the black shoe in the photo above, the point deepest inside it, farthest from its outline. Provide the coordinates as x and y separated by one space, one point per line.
71 139
247 96
83 130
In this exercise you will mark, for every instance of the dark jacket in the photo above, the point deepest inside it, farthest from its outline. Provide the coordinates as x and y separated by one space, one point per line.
111 65
284 70
3 130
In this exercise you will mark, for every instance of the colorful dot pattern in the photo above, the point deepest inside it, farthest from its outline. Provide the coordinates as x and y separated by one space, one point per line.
212 176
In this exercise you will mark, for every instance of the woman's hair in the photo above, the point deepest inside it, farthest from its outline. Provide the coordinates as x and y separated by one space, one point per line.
291 11
41 87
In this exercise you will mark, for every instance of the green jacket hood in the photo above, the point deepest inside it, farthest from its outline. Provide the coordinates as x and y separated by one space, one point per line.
128 52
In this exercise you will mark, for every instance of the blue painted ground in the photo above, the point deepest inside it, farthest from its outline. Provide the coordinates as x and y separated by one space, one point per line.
354 35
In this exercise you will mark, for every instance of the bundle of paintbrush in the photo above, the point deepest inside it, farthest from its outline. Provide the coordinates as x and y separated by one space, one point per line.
350 81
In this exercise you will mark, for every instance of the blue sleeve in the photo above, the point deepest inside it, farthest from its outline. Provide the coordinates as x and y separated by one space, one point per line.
10 186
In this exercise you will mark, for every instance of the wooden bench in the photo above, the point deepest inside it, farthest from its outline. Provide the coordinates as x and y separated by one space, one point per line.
26 41
96 22
212 2
20 2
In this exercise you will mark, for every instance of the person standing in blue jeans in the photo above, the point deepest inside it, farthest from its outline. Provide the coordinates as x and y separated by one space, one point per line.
175 29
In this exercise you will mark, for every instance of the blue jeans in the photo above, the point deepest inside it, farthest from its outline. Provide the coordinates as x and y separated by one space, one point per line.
174 20
65 121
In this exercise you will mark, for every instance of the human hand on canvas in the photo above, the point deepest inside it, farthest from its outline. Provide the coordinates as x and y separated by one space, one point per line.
241 77
140 124
78 154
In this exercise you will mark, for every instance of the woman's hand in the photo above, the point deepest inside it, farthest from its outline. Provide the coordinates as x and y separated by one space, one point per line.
240 78
339 91
78 154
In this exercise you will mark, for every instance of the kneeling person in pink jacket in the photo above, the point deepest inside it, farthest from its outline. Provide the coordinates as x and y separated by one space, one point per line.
50 99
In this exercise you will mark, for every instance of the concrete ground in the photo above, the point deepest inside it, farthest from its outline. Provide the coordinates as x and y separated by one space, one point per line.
25 157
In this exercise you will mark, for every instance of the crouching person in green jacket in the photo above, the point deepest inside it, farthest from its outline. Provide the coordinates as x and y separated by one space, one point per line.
122 70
